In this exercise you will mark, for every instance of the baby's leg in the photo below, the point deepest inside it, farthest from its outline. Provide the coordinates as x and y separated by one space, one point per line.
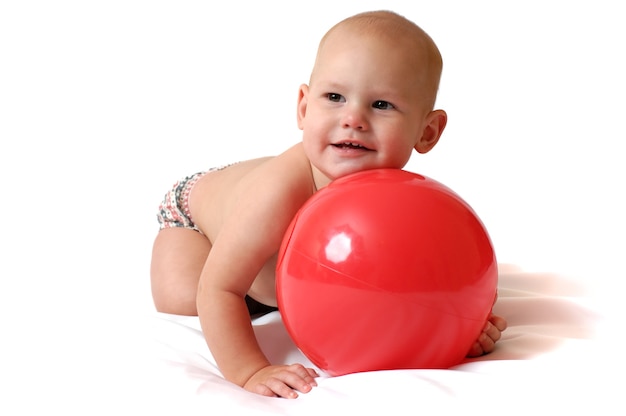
178 256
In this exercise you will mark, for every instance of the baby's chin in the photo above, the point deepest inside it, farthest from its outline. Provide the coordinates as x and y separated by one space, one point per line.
340 173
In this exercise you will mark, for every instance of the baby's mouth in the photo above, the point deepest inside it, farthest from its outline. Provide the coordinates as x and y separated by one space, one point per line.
350 145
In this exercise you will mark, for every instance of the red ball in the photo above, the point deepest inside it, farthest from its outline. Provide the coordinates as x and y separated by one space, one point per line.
385 269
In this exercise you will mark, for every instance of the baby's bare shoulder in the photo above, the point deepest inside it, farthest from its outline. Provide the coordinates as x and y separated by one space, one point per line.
286 178
277 185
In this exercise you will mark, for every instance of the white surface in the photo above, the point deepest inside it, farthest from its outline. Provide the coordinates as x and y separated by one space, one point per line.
543 362
103 105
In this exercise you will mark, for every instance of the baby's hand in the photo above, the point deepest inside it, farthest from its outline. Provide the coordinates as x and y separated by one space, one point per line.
486 341
282 381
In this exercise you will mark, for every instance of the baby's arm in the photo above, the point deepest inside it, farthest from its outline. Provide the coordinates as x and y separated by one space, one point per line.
248 238
228 331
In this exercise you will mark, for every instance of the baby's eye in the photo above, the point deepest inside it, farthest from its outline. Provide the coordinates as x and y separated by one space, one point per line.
334 97
382 105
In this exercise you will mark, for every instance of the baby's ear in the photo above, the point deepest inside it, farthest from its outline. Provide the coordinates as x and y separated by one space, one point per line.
435 123
303 98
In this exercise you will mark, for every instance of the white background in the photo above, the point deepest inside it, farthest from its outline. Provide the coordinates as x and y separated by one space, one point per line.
104 104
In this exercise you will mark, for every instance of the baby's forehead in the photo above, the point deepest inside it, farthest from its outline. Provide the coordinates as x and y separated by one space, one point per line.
407 40
346 47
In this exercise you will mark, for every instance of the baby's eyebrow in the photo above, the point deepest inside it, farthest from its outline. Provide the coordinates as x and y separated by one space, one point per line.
331 85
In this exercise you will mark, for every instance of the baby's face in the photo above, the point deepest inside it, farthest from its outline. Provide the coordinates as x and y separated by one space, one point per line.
365 107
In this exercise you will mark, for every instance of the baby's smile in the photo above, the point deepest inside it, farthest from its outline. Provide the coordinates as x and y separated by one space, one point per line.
350 145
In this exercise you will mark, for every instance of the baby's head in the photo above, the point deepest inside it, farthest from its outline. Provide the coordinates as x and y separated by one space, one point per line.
400 37
369 102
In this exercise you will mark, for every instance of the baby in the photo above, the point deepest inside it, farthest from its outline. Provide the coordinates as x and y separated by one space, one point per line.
369 104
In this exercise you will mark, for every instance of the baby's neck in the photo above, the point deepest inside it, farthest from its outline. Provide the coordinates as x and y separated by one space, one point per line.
319 179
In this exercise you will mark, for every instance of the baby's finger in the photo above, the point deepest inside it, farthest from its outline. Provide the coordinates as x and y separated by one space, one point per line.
492 333
280 389
476 350
486 342
498 321
264 390
286 382
313 374
306 374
